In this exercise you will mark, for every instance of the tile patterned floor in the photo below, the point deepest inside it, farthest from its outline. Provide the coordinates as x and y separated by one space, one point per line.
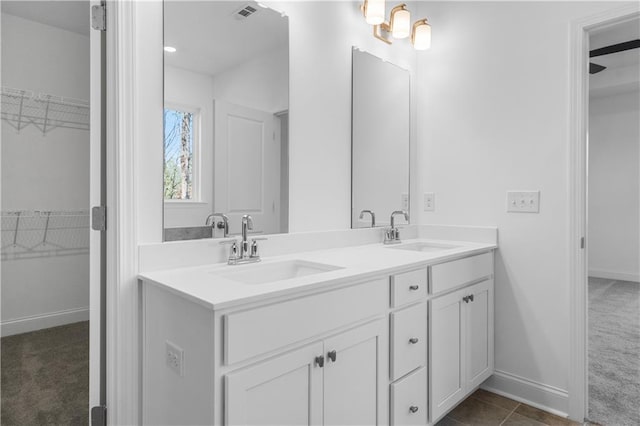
486 408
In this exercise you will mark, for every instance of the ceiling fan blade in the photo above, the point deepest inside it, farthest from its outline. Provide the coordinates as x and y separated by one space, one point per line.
595 68
615 48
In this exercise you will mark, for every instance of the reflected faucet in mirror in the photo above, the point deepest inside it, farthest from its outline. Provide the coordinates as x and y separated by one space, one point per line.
373 217
220 225
392 234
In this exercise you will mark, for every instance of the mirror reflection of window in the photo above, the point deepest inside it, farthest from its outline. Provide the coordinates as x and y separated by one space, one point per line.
178 154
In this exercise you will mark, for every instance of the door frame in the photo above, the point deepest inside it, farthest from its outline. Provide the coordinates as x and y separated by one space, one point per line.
577 196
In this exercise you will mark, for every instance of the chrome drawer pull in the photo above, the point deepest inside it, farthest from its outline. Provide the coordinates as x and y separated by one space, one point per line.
414 287
413 340
413 409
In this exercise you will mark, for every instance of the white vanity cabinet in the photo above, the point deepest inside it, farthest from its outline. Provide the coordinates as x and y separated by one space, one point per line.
460 336
401 348
334 381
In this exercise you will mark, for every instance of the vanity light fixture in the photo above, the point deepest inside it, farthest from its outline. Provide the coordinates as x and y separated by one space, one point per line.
398 26
373 11
170 49
421 35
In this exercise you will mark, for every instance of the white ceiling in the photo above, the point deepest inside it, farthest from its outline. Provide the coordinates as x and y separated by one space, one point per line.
72 16
209 38
615 34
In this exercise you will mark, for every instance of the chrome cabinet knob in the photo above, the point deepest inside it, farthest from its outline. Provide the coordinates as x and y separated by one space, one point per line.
414 287
413 340
332 355
320 361
413 409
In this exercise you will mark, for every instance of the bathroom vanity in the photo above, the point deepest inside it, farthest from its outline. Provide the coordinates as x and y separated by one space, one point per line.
368 334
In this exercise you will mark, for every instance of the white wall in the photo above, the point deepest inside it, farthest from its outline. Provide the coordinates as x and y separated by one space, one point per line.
614 186
188 89
493 116
44 173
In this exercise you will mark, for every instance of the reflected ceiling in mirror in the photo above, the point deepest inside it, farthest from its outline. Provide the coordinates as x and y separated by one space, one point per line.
226 106
380 140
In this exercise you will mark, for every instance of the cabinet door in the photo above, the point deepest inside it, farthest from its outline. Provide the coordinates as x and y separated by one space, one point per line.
355 383
446 345
285 390
479 333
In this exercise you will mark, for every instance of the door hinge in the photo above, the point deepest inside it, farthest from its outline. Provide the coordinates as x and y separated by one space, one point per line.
583 243
99 415
99 17
99 218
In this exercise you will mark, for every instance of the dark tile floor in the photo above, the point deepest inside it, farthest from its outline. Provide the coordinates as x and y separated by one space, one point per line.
486 408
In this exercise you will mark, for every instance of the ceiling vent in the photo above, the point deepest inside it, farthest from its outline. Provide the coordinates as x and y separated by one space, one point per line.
245 12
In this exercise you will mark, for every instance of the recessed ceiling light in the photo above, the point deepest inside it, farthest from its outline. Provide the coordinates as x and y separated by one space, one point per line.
170 49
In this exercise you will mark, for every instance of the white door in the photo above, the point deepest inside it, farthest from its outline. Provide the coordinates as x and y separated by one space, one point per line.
355 383
479 333
446 346
96 198
285 390
247 166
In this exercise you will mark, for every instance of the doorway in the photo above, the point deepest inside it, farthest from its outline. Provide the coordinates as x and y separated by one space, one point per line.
51 144
613 194
579 241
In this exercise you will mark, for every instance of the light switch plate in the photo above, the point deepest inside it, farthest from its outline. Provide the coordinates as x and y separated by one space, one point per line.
523 201
429 201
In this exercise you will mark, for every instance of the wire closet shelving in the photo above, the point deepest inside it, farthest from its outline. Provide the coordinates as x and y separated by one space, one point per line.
21 108
30 234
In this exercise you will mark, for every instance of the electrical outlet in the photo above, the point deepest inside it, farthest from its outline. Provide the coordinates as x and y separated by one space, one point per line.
175 358
429 201
404 202
523 201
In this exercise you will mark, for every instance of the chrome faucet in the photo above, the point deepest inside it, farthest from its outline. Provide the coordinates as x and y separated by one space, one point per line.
392 234
247 224
248 250
373 217
220 225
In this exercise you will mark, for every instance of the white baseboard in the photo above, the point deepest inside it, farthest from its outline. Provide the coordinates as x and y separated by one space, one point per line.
538 395
38 322
612 275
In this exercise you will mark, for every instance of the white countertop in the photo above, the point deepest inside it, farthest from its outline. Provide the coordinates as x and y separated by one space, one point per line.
203 285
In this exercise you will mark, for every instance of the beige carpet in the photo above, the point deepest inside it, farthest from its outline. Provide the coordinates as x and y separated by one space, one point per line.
45 377
614 352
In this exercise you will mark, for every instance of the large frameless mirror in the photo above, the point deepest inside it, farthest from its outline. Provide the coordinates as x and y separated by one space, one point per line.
380 140
226 107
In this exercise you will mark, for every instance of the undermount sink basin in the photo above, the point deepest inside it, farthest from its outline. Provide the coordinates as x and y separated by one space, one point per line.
425 247
261 273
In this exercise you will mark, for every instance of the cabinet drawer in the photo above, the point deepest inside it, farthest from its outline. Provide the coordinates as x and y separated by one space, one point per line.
449 275
256 331
409 399
408 339
408 287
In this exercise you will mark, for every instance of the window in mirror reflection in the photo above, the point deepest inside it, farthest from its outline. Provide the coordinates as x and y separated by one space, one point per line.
179 134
